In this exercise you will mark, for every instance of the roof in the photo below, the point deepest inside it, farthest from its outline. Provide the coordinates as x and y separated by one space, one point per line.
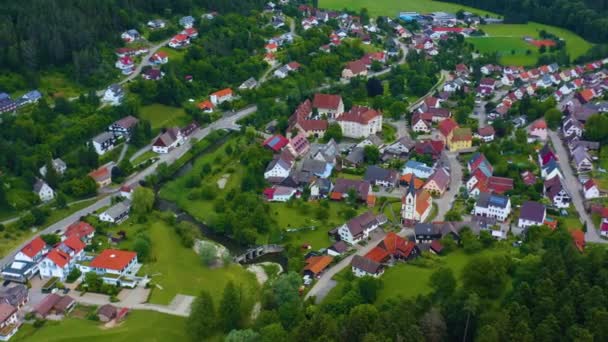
47 304
486 200
223 92
101 174
317 264
127 122
486 131
418 183
376 173
33 247
74 243
342 186
326 101
168 138
356 67
447 126
378 254
15 295
532 211
359 114
113 259
396 245
118 209
64 303
107 310
539 124
433 147
358 224
366 265
422 201
589 184
500 184
276 143
58 257
441 178
528 177
6 311
103 137
79 229
436 246
204 105
426 229
462 134
339 246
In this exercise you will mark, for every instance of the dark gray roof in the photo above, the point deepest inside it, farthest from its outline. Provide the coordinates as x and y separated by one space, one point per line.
365 264
38 185
339 247
118 209
356 156
314 166
14 295
486 200
426 229
376 173
103 137
358 224
532 211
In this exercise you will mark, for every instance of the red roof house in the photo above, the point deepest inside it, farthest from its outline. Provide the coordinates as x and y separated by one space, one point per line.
113 259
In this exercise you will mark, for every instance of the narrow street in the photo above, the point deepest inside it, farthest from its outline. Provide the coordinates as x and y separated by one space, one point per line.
444 204
574 188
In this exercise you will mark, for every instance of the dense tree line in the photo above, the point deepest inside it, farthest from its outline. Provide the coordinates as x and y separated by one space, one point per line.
585 17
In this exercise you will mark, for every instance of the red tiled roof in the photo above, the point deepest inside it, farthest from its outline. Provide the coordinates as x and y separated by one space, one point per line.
500 185
447 126
317 264
356 67
539 124
113 259
58 257
326 101
578 237
74 243
486 131
100 174
34 247
79 229
205 105
586 94
223 92
378 255
360 114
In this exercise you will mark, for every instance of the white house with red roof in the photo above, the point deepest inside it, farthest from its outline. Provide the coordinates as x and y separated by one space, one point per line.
33 251
60 261
168 140
114 266
179 41
360 122
190 32
590 189
125 64
538 131
159 58
327 104
221 96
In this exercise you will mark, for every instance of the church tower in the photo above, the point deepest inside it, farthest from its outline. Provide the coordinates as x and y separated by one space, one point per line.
408 202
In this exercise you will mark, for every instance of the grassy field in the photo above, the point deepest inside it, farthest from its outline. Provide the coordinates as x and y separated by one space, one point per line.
161 116
409 281
508 38
138 326
54 83
174 55
512 50
393 7
178 270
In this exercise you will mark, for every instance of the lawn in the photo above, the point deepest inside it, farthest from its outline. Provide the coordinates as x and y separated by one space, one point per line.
178 270
138 326
409 281
393 7
174 55
144 157
161 116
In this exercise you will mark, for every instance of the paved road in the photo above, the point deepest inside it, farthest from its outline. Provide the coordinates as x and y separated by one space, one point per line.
444 204
324 284
574 188
61 225
145 60
123 152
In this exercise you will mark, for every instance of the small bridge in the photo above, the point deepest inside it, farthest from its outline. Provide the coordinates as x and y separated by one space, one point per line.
256 252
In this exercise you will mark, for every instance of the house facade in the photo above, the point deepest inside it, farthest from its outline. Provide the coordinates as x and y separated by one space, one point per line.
358 228
492 205
116 213
531 214
44 191
360 122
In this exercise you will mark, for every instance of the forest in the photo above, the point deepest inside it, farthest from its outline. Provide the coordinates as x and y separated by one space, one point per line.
76 36
585 17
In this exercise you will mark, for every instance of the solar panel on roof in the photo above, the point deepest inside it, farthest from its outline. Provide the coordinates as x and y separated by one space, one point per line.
274 141
498 201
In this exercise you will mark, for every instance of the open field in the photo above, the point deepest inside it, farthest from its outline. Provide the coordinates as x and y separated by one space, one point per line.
393 7
161 116
178 270
57 84
506 38
138 326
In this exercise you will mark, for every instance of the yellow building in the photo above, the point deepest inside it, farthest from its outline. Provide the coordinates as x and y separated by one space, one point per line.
460 139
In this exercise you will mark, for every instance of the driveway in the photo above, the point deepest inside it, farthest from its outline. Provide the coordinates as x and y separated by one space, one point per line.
444 204
574 188
325 283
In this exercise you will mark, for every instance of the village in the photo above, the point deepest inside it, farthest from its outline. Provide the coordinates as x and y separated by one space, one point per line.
391 188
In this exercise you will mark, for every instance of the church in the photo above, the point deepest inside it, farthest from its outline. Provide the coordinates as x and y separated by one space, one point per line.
416 205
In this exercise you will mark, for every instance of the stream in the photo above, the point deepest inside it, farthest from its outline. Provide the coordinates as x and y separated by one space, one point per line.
233 246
